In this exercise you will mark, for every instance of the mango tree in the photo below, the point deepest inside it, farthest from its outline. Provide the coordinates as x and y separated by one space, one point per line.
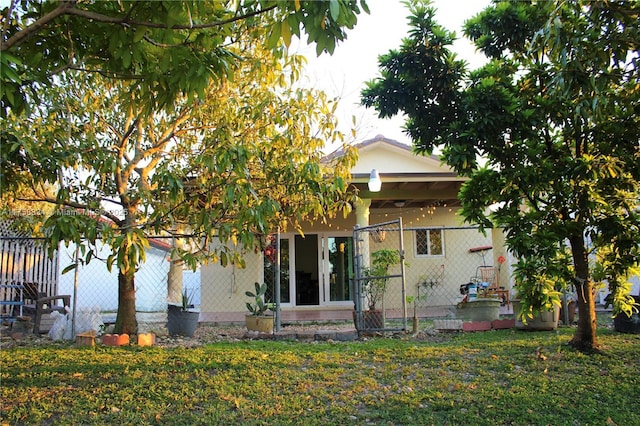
555 114
230 154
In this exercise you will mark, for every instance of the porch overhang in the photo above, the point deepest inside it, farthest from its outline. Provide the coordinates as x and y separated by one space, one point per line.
414 190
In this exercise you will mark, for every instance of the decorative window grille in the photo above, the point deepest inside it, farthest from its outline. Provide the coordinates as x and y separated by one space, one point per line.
429 242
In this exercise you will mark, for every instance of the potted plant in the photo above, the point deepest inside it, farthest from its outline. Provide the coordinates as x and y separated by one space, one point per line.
538 291
626 322
257 319
375 285
181 320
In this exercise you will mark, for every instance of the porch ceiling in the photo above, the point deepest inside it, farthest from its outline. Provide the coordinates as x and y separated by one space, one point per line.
414 194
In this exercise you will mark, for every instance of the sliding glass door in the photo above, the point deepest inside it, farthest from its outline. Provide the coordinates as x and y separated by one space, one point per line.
315 270
338 268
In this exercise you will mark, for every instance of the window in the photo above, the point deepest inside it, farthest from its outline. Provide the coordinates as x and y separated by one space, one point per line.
429 242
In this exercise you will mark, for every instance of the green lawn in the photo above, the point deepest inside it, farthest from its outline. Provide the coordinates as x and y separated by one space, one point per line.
494 378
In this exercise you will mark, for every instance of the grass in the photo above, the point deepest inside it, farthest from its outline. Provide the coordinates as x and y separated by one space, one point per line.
494 378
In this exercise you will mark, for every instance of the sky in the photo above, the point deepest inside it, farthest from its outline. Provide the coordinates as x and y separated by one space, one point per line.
355 60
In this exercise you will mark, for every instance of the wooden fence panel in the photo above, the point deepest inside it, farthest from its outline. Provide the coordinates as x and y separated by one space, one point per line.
24 261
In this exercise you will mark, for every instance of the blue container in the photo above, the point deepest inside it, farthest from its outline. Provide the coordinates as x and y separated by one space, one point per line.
473 291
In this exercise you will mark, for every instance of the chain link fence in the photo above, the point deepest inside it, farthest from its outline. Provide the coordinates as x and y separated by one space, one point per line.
97 287
437 261
27 273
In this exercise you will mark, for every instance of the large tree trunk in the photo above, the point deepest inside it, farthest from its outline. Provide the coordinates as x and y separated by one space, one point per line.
584 338
174 278
126 318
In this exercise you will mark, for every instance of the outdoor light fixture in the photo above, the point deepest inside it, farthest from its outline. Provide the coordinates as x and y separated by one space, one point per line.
374 181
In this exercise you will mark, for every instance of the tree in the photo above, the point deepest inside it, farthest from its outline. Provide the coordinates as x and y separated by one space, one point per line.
26 216
164 49
228 164
555 114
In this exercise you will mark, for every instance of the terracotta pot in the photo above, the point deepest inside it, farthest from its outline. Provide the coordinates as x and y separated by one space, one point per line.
371 320
571 310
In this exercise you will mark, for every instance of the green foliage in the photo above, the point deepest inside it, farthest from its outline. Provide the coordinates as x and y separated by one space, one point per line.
258 307
498 377
377 275
403 80
186 303
554 113
622 301
537 289
226 162
166 50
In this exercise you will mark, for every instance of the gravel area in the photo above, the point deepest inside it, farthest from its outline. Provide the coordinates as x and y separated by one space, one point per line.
207 334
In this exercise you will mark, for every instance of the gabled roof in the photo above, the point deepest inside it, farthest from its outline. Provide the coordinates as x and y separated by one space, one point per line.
408 178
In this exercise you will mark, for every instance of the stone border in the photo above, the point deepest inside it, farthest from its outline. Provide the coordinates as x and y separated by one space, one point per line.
306 335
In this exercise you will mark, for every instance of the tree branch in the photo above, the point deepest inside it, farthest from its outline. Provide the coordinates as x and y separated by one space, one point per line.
39 24
127 22
68 7
7 19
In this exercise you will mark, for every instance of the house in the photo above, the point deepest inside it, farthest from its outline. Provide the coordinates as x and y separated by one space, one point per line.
98 287
316 269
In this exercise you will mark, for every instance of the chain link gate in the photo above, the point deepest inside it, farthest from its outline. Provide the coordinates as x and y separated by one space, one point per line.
379 279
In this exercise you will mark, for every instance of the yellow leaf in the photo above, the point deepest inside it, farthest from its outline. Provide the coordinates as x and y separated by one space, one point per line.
286 33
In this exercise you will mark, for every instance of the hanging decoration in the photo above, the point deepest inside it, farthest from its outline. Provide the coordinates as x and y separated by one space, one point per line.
378 235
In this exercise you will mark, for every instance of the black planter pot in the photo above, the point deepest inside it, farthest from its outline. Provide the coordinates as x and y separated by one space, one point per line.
626 324
370 320
181 322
